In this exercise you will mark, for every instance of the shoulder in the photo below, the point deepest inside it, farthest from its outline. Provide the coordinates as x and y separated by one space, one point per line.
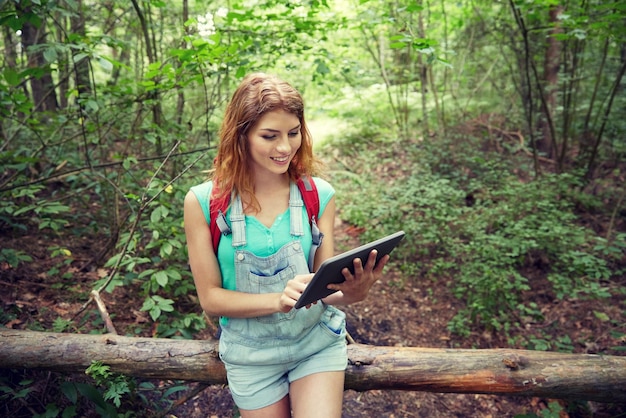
202 193
202 190
324 188
325 192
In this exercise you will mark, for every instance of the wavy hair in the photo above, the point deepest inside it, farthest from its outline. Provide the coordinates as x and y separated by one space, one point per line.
257 94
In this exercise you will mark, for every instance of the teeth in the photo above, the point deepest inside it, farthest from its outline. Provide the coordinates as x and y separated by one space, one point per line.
280 159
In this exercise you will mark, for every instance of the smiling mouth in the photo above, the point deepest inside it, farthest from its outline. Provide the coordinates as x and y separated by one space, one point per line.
280 159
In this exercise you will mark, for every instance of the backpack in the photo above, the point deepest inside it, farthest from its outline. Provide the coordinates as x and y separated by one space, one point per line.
219 226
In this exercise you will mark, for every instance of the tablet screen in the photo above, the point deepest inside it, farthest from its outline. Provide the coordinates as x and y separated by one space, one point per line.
330 270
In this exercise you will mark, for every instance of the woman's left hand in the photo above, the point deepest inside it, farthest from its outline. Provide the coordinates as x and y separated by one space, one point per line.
357 285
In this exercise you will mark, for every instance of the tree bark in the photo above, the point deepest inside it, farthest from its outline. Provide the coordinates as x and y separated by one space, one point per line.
42 87
494 371
81 67
551 66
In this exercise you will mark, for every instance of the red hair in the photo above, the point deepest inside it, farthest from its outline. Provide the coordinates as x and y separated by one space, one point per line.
257 94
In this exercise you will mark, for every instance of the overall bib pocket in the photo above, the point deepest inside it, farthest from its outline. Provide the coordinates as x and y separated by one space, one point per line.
271 284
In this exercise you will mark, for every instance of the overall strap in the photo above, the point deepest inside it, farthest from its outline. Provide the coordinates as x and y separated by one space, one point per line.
295 211
317 237
238 223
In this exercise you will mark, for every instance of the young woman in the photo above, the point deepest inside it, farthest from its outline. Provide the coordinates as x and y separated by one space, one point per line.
278 359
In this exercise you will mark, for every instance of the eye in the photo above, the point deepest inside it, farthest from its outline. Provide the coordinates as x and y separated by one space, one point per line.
294 133
268 137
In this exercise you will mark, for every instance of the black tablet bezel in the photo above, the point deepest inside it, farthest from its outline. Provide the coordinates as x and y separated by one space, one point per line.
330 270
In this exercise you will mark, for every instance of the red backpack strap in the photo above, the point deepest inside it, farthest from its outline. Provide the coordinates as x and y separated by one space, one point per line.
311 199
218 225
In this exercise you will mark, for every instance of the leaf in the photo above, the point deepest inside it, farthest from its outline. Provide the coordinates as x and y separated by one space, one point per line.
105 64
80 56
155 313
161 278
321 67
155 216
12 21
50 54
148 304
167 248
601 316
70 392
415 7
11 76
92 394
174 389
92 105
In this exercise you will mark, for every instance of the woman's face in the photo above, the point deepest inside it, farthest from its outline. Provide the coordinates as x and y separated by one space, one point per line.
273 142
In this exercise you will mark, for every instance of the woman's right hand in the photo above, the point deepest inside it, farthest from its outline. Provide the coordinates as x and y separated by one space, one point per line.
293 291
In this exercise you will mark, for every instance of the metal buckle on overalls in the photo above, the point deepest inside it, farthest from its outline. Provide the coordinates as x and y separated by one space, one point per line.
222 224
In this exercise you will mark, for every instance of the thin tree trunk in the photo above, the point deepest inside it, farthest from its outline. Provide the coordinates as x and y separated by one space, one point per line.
495 371
607 111
180 103
64 62
526 69
552 63
157 112
423 72
81 67
42 88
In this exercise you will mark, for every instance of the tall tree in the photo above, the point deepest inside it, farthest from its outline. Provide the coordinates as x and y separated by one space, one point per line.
33 36
81 62
551 66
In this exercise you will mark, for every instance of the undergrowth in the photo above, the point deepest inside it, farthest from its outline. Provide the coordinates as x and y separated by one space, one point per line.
474 222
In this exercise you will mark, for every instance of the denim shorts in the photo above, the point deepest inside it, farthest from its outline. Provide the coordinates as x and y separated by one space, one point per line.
259 376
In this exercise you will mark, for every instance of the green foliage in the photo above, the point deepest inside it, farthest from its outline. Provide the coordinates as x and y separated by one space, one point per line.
548 343
107 394
116 386
156 305
481 233
13 257
553 410
24 206
157 261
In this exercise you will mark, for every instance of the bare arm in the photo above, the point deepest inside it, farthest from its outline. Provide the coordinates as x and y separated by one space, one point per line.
326 224
214 299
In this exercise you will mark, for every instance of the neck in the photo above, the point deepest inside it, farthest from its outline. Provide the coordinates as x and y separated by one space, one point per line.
270 183
266 188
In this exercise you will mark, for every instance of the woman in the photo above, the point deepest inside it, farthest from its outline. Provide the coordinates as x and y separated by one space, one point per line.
278 359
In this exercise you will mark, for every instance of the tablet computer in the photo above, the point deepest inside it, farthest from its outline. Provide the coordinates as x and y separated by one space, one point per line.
330 270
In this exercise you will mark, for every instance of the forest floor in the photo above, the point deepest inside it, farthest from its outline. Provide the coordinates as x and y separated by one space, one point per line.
399 312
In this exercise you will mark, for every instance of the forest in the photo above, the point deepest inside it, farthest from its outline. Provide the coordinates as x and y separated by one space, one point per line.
493 132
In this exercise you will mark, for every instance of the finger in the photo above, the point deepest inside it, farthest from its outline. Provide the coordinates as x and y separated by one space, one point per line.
381 263
371 260
286 303
292 295
358 267
304 278
347 274
311 304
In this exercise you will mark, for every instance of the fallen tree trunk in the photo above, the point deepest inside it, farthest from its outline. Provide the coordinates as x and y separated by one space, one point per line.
494 371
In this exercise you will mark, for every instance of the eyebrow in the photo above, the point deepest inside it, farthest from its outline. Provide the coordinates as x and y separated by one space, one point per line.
277 130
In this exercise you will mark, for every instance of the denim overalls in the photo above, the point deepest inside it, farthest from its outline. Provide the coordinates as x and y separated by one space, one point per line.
281 341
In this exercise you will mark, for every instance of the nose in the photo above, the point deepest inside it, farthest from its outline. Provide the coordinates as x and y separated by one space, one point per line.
283 144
